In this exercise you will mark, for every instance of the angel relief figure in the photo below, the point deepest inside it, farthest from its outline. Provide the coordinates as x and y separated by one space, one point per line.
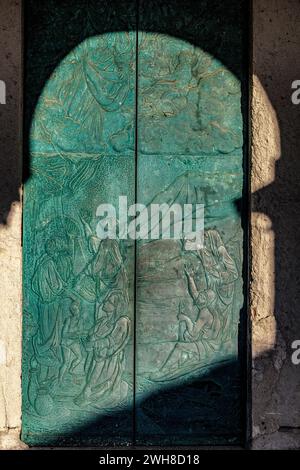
105 362
103 273
205 336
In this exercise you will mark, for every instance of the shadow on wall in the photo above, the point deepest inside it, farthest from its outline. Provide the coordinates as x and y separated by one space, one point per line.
10 112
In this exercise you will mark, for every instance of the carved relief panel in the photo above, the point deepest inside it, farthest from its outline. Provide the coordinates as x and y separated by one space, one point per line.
131 341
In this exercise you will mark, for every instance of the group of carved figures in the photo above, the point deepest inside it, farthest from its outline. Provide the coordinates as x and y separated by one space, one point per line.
65 345
211 287
66 350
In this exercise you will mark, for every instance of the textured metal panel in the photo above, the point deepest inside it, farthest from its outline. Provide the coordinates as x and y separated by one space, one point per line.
190 134
78 293
87 108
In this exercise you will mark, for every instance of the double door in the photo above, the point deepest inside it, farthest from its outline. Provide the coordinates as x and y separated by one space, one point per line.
133 338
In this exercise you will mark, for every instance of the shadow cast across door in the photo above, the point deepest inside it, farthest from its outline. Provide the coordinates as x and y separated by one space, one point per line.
74 285
170 409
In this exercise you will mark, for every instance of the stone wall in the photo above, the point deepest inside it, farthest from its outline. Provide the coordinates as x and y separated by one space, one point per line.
275 288
275 185
10 224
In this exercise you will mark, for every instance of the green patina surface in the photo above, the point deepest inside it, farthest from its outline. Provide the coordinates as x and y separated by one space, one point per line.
126 343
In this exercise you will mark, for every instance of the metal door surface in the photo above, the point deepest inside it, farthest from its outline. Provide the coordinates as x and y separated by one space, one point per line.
133 339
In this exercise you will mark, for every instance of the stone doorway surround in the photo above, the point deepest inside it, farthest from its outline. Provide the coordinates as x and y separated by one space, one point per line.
274 402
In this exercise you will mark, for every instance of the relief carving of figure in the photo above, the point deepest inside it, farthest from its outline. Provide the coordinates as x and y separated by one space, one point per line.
106 360
105 271
72 348
213 300
68 355
50 280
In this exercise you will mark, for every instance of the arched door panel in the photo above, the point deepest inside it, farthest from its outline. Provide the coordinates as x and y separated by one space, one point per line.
133 341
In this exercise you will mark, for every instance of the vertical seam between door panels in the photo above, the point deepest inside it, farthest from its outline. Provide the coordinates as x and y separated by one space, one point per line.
137 6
